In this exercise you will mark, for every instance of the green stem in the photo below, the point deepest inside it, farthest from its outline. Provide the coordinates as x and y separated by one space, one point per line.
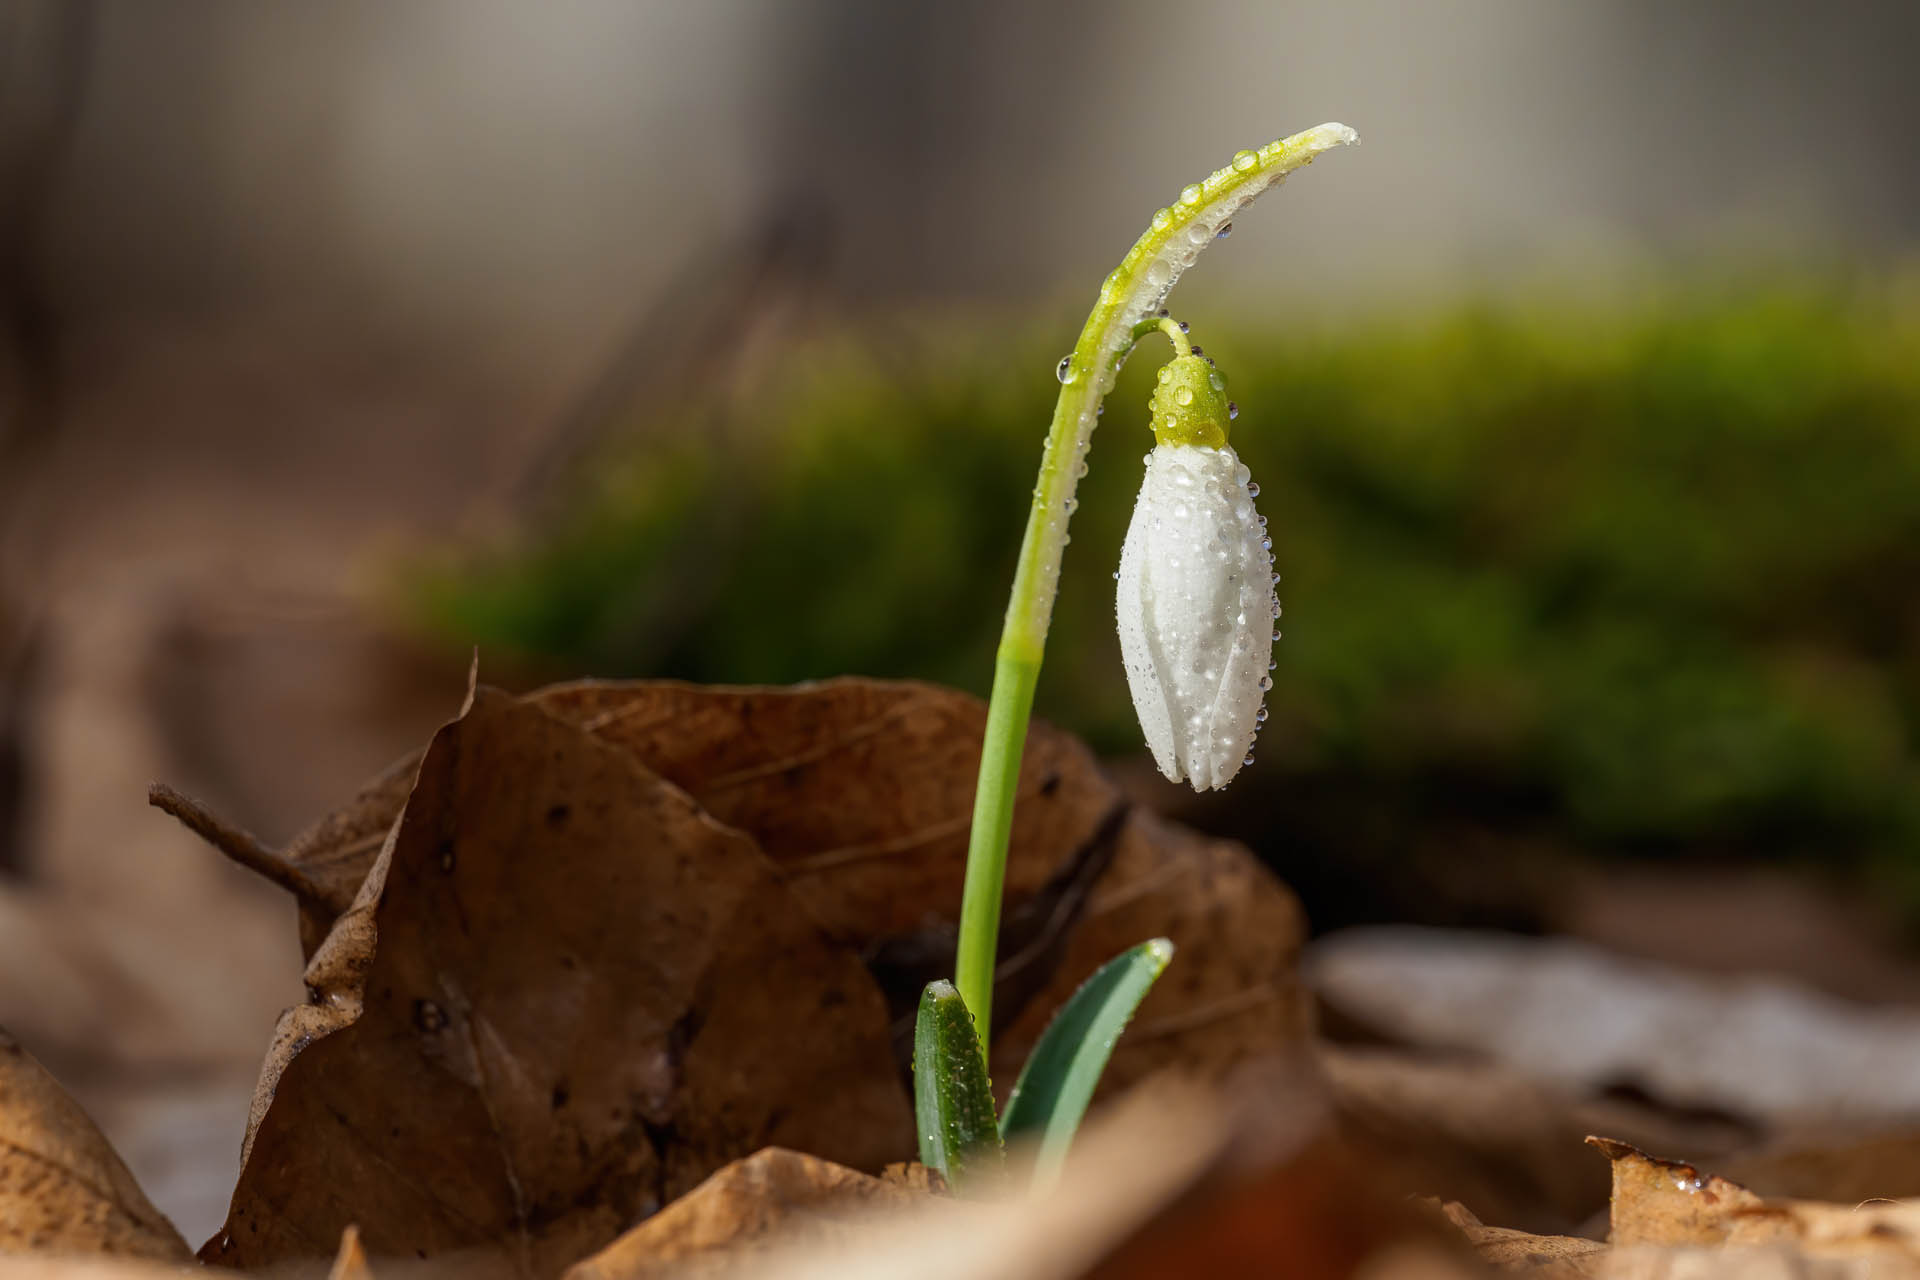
1127 302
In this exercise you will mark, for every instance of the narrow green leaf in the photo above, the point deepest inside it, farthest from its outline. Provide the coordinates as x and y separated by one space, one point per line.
1055 1086
952 1097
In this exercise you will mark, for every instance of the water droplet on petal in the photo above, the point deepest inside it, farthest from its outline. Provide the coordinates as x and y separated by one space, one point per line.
1260 716
1183 396
1253 486
1233 411
1266 683
1244 160
1226 229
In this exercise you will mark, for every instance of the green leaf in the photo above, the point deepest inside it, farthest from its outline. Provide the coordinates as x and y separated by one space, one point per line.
1055 1086
952 1097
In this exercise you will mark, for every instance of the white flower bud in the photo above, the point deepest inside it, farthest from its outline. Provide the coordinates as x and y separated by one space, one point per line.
1196 609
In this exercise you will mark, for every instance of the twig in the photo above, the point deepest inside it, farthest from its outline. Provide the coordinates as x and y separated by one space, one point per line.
241 846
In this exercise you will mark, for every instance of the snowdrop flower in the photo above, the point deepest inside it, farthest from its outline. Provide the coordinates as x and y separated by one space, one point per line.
1196 603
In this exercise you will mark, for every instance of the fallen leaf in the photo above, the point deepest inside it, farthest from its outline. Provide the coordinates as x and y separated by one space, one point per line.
351 1262
41 1267
1665 1202
583 997
1232 993
861 791
1468 1132
1662 1202
1832 1167
773 1198
62 1187
911 1175
1546 1257
1780 1262
1500 1142
1883 1226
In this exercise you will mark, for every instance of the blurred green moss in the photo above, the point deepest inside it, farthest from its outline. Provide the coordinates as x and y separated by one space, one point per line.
1645 572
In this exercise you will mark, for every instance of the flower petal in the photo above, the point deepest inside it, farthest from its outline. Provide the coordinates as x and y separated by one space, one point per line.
1195 611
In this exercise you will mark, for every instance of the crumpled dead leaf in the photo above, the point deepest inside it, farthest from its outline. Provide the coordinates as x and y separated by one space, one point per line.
584 996
1175 1179
1665 1202
351 1262
1505 1249
1671 1220
43 1267
1504 1144
786 1197
861 791
62 1187
1831 1166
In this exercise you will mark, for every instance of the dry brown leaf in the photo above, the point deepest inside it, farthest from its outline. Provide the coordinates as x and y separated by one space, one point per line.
1505 1249
1467 1131
1832 1167
1507 1145
351 1262
862 792
42 1267
1660 1202
911 1175
62 1187
773 1197
584 996
1231 994
1878 1226
1665 1202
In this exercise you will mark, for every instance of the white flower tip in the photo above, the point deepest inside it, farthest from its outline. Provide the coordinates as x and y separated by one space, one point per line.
1335 134
1195 607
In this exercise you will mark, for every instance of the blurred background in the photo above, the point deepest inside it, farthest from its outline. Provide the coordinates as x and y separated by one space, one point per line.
716 341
